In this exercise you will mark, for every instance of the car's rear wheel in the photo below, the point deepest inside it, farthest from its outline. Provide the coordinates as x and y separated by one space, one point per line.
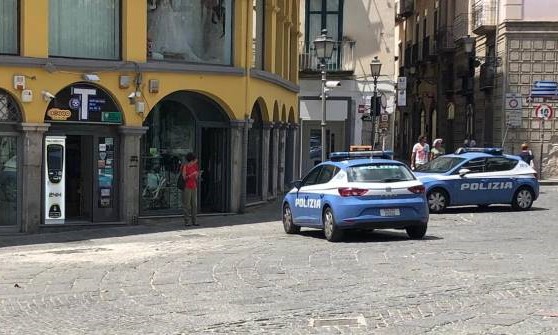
417 232
288 224
437 200
523 199
331 231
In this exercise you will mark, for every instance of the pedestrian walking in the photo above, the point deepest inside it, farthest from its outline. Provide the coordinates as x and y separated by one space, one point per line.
419 156
190 172
526 154
437 149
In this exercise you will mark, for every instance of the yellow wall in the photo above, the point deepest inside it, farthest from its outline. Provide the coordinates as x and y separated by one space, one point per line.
236 94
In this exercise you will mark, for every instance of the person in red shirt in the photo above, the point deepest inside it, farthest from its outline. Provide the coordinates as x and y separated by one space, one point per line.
190 172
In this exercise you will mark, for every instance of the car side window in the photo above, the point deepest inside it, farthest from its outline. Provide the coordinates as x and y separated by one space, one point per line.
495 164
476 165
312 177
328 171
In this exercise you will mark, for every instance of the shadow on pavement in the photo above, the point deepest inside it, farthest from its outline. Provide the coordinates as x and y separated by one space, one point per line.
489 209
266 212
363 236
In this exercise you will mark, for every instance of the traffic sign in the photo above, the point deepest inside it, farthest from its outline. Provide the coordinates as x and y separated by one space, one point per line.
544 88
544 111
513 101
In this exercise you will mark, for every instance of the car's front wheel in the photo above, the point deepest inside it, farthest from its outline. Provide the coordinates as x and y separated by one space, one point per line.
523 199
331 231
288 224
437 200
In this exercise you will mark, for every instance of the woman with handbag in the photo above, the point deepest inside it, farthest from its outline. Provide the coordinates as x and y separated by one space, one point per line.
190 172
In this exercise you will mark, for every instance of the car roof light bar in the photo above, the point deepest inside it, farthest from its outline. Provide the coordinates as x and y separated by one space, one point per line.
492 151
347 155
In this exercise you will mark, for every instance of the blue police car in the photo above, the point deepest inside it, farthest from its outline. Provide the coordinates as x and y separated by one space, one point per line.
478 176
357 190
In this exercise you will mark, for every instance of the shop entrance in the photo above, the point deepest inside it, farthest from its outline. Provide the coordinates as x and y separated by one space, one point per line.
90 176
213 163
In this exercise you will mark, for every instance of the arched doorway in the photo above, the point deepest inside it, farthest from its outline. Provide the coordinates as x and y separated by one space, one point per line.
10 116
81 156
254 168
184 122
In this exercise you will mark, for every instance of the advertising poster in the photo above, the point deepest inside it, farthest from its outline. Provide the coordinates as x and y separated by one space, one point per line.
105 171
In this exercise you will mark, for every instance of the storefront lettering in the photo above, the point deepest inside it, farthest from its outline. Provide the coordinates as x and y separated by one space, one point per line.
84 108
59 114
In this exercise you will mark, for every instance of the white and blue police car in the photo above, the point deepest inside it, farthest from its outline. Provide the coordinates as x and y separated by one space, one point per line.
357 190
478 176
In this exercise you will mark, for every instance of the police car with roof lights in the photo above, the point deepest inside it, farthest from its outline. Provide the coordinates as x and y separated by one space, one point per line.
478 176
357 190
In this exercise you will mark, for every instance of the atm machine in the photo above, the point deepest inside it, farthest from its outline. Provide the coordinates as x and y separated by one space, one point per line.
54 179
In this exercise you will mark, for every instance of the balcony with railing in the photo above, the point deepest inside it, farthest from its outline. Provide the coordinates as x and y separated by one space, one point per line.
484 16
486 77
342 60
444 39
405 9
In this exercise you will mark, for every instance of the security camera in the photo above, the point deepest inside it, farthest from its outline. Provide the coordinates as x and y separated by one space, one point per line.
333 83
133 96
47 95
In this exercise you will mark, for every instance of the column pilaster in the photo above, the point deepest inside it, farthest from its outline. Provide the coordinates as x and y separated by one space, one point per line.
130 159
31 172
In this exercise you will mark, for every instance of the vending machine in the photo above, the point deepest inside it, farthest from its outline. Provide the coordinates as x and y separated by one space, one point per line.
55 184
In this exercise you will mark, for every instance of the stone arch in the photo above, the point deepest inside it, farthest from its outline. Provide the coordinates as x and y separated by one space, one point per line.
291 118
64 97
276 112
260 102
181 122
254 163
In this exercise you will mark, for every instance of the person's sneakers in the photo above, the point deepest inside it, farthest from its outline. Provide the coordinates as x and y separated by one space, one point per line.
196 224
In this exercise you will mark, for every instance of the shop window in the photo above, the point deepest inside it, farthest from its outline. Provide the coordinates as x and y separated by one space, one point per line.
324 14
84 29
8 109
9 27
190 31
170 137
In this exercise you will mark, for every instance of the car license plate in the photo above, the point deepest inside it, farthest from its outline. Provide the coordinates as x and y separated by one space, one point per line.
389 212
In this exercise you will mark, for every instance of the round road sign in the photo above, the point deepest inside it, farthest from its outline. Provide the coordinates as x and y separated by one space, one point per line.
544 111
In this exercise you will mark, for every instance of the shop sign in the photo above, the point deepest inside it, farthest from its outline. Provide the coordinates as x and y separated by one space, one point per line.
112 117
83 103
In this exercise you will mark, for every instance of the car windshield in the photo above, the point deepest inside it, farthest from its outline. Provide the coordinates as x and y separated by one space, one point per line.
440 165
379 173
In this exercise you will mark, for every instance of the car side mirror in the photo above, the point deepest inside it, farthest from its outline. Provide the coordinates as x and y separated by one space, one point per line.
464 172
297 184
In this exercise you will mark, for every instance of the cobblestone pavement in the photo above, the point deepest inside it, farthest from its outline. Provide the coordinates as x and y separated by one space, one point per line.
487 271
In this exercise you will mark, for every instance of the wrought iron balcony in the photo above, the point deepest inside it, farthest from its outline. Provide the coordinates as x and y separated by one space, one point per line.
484 16
342 60
486 77
444 39
406 9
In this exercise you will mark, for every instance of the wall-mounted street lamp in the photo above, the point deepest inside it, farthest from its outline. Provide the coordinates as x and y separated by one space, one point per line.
469 44
324 46
375 69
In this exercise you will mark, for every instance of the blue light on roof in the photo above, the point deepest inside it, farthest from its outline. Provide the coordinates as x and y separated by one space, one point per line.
491 151
346 155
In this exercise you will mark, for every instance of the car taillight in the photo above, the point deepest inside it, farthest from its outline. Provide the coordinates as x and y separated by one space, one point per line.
351 191
417 189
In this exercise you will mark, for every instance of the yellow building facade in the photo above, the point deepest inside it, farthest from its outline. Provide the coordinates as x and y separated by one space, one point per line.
101 101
